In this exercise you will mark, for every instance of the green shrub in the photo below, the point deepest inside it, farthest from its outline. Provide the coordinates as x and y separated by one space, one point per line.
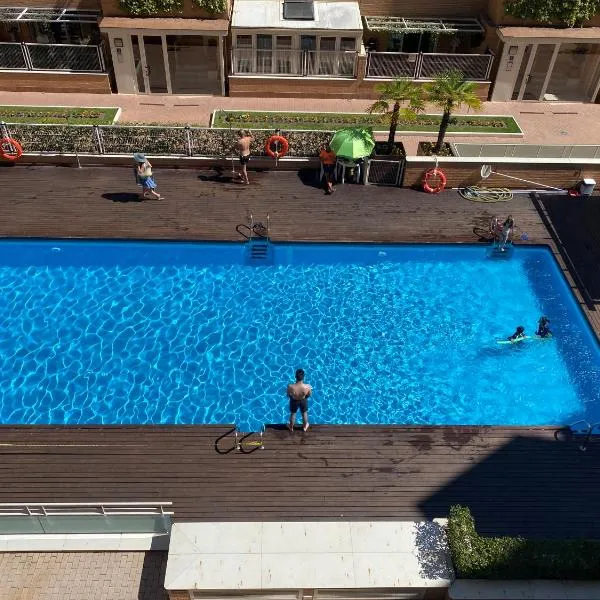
212 6
145 8
478 557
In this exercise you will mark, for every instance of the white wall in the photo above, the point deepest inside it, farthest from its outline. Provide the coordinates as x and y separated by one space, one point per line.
122 59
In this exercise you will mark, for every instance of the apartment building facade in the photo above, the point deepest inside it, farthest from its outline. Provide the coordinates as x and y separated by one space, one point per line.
315 48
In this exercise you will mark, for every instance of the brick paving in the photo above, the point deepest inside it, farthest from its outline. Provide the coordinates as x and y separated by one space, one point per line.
541 122
82 575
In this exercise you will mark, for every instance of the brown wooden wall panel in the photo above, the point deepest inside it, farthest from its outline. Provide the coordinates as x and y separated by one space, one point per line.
110 8
89 83
463 174
424 8
313 88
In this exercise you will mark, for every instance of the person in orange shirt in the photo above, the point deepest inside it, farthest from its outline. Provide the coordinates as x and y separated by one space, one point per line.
328 159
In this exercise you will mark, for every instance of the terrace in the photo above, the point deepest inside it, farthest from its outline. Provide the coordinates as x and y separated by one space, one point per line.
333 472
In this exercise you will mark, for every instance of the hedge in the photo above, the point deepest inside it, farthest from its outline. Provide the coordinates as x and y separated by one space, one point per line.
478 557
156 141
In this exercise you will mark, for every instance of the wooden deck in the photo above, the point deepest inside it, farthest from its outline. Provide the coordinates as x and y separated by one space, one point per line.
516 480
519 480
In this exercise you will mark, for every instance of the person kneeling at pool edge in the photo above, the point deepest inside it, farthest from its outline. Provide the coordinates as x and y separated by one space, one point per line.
519 334
543 330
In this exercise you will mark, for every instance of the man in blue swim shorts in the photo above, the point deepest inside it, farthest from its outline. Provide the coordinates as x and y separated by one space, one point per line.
298 393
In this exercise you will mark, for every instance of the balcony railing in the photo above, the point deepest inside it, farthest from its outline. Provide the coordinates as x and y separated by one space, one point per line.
299 63
51 57
390 65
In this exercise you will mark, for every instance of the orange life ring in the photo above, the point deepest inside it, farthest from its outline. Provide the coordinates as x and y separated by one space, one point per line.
437 174
277 139
10 149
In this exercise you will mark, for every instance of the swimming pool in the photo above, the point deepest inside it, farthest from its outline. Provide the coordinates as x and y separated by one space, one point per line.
130 332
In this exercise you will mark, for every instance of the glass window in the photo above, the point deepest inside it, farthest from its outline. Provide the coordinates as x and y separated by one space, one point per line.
264 42
284 42
243 41
574 76
264 53
286 59
193 64
327 44
347 44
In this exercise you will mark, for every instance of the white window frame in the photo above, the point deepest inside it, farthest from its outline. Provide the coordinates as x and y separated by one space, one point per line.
295 35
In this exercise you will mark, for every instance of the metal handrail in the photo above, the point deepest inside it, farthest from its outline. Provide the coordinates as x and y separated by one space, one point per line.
584 444
238 444
572 425
84 508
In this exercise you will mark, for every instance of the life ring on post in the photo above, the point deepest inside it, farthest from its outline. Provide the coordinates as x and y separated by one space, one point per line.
284 146
438 175
10 149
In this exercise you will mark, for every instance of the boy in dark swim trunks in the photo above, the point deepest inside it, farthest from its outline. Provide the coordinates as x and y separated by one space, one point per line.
543 330
519 334
298 393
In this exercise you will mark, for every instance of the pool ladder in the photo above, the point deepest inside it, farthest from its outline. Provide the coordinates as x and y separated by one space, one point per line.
258 237
242 446
588 431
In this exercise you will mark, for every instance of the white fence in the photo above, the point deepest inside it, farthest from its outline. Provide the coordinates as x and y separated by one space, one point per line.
525 151
51 57
85 518
250 61
390 65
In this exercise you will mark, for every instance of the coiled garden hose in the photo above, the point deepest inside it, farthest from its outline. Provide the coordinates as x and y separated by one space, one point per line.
483 194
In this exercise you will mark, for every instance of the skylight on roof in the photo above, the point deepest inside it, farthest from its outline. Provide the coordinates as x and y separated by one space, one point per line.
298 10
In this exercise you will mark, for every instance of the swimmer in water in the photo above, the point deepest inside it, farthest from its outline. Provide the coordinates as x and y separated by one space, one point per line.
519 334
543 330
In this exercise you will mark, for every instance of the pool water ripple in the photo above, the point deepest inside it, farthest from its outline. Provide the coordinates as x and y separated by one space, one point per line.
407 338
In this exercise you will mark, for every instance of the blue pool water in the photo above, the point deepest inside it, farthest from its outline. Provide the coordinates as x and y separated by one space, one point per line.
103 332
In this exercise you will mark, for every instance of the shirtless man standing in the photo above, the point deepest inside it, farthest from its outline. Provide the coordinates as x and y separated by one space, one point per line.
298 393
243 147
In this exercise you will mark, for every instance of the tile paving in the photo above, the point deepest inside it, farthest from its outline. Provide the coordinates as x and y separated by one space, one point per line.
82 575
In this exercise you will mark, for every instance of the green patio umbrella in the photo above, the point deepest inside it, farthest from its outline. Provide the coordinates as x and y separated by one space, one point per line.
353 142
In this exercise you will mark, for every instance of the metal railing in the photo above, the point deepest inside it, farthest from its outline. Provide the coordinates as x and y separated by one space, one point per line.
35 509
389 65
52 57
12 56
526 150
155 140
304 63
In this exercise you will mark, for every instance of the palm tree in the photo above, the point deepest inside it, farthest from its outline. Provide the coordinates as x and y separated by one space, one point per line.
391 97
450 91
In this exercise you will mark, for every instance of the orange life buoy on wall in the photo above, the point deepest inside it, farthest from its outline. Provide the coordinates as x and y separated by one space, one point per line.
284 146
10 149
434 173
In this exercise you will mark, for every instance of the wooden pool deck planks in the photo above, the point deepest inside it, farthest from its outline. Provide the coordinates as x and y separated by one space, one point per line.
516 480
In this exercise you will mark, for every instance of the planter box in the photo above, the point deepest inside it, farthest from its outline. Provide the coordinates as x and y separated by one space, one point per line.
381 151
425 149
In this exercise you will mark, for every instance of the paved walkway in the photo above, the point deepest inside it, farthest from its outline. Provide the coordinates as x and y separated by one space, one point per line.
542 122
82 575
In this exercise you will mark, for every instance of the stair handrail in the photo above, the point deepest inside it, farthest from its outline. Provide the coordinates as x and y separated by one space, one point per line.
583 446
239 438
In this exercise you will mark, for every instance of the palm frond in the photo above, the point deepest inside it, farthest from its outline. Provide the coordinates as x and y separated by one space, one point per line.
380 106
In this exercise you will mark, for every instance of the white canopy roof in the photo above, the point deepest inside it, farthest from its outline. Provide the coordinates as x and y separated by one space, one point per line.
268 14
293 555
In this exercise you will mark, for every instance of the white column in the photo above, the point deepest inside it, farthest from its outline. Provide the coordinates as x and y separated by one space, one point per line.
222 65
550 68
163 38
527 71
